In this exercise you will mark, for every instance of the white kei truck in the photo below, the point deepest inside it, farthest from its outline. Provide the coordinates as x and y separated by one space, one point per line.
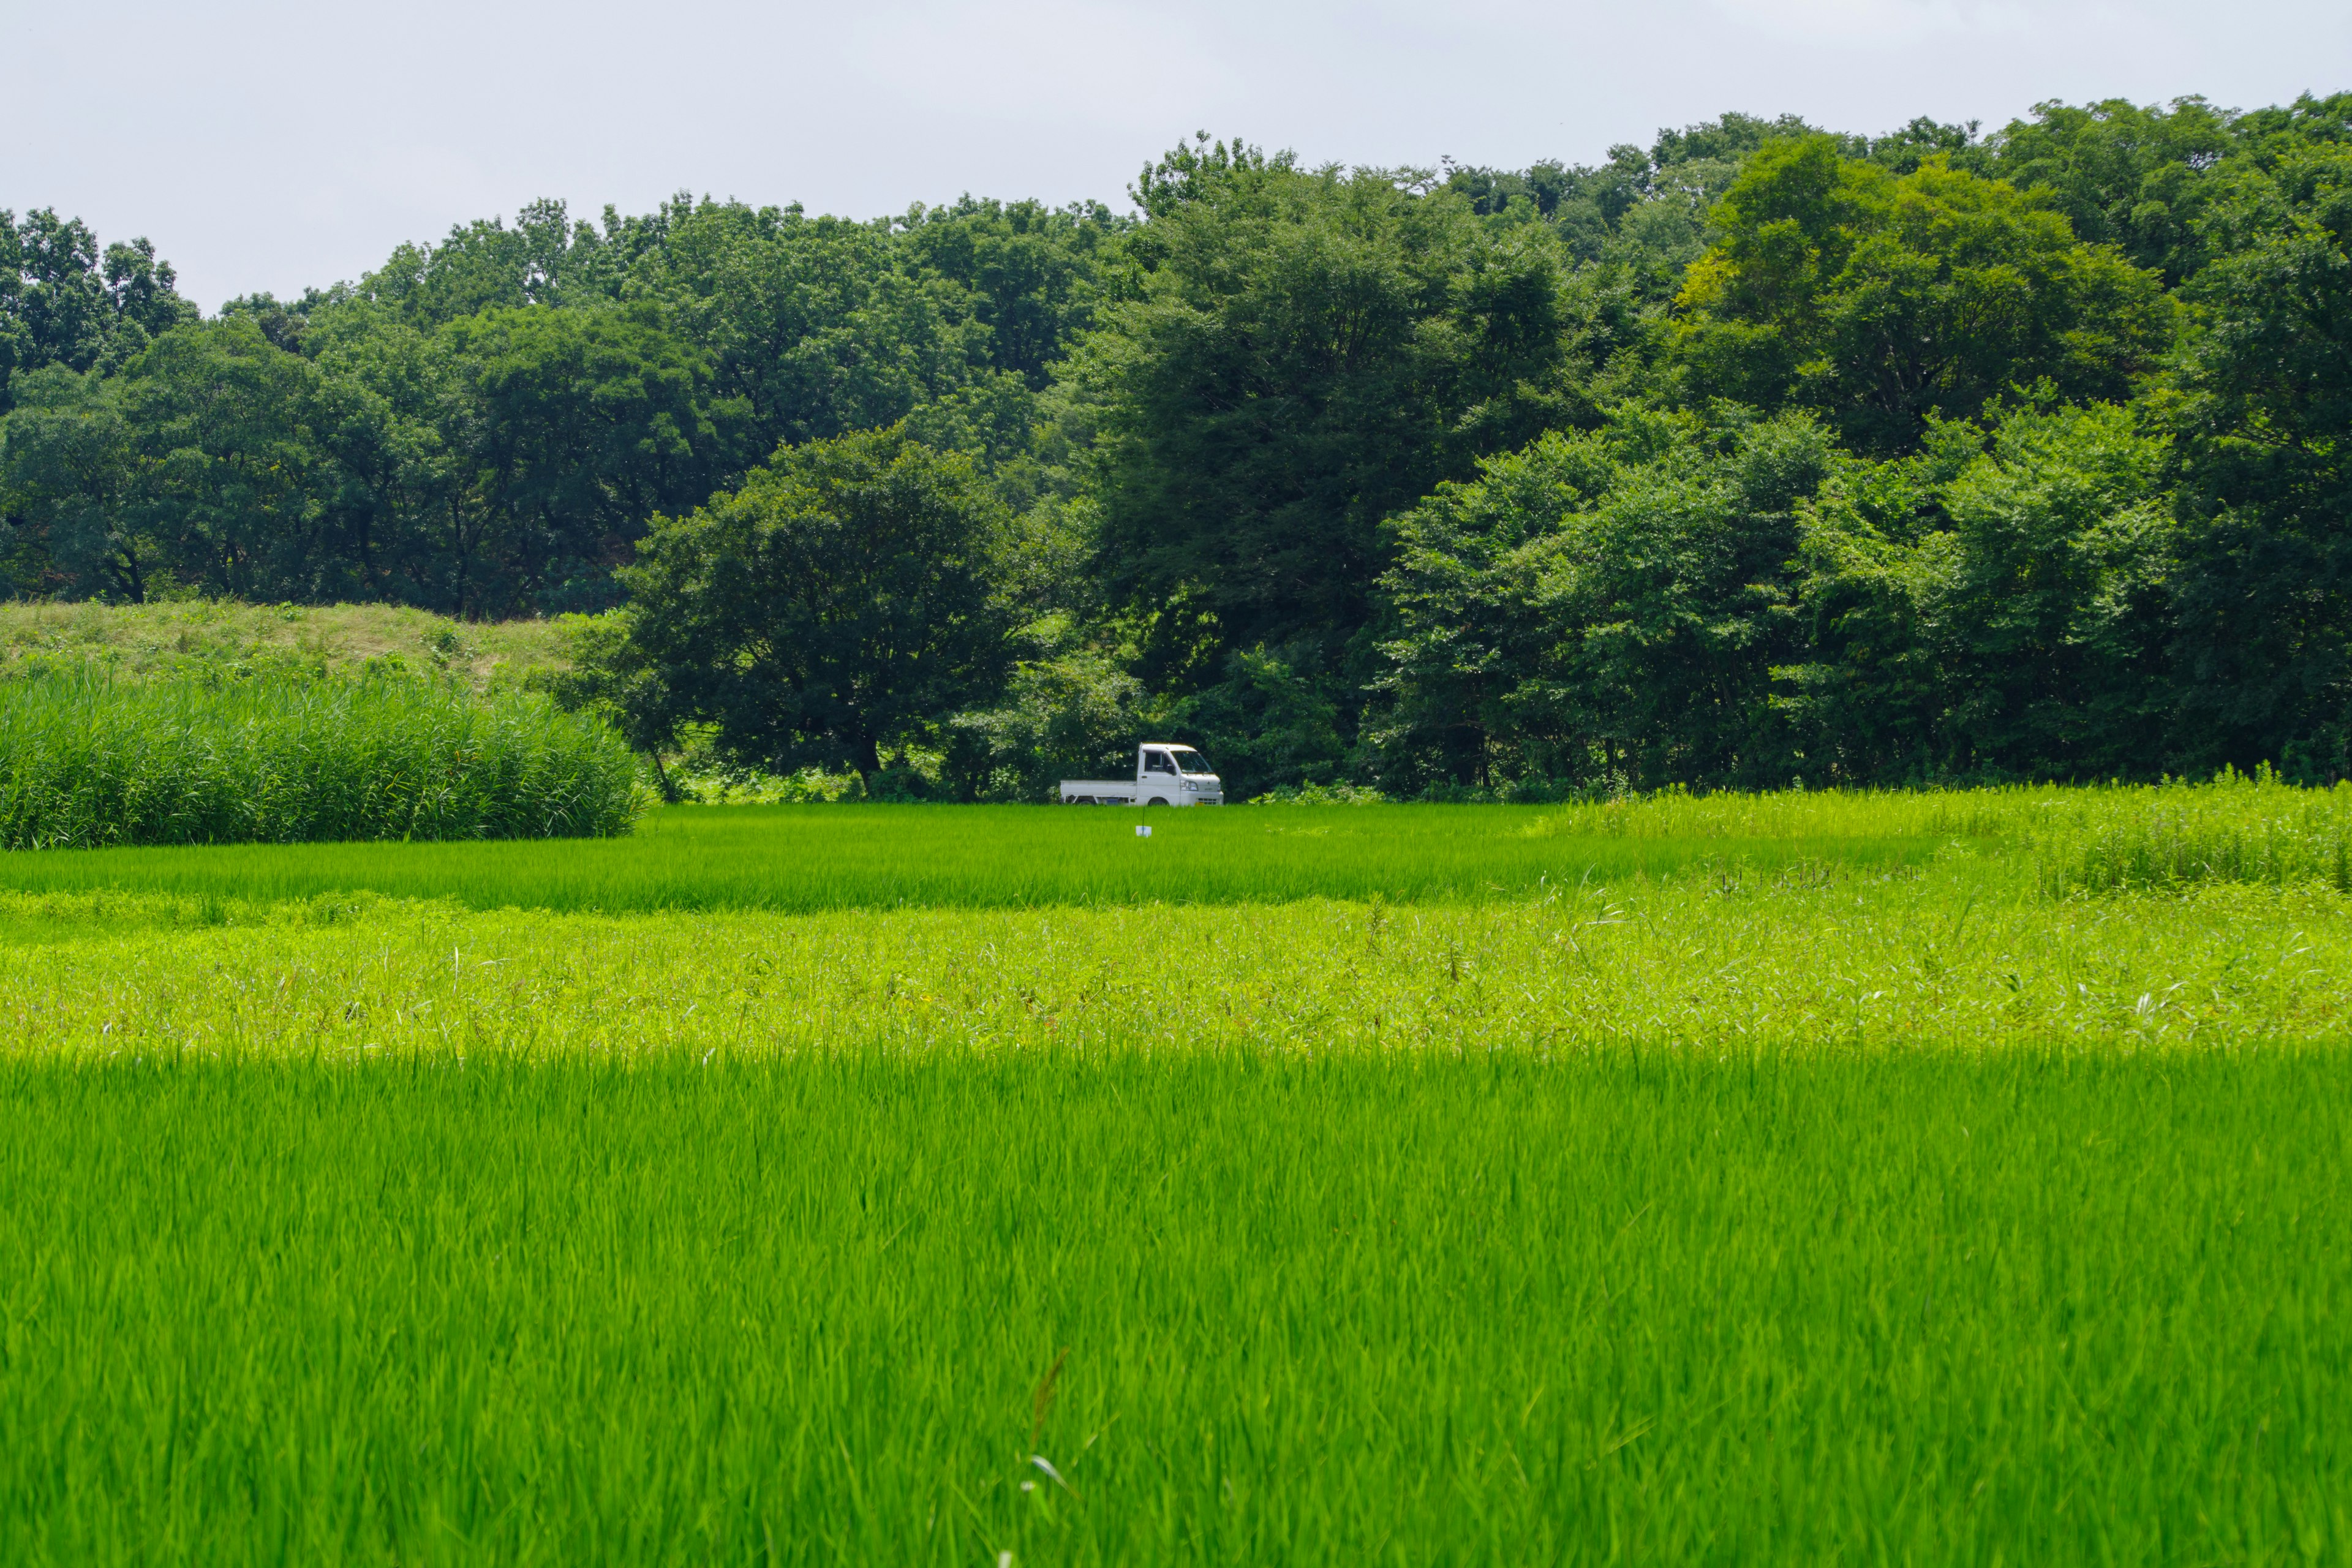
1165 775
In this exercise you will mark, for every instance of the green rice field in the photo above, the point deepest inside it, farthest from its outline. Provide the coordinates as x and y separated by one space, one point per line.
809 857
1915 1178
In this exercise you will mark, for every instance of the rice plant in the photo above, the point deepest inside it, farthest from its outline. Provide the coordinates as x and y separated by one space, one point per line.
1637 1308
806 858
1803 1184
87 761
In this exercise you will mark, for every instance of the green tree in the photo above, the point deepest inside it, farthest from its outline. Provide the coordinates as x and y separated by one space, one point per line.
1462 638
228 475
2266 422
1029 269
544 258
840 604
1599 607
1291 356
1997 606
67 472
583 425
816 326
1274 717
2133 178
1881 300
397 415
63 300
195 467
1074 715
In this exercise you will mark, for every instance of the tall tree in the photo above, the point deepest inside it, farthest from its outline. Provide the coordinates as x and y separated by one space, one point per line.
67 472
1603 606
2123 176
228 474
1997 606
584 423
1028 267
840 603
63 300
1293 355
1880 301
2267 424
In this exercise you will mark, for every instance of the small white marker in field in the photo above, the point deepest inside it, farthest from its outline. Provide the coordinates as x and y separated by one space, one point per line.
1143 832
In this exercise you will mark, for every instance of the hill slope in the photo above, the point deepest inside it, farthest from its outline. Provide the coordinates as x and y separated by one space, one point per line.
201 636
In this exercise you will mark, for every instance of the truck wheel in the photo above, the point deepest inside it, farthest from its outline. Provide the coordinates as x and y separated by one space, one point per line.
1156 800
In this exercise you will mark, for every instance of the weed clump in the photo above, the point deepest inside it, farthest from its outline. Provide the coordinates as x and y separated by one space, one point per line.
87 761
2256 831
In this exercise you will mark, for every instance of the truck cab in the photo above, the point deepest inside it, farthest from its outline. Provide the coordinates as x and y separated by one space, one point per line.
1166 774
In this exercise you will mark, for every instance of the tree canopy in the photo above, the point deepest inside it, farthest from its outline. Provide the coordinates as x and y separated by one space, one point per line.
1760 451
1882 301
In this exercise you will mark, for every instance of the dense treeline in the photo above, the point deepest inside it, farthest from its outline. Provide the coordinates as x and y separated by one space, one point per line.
1761 454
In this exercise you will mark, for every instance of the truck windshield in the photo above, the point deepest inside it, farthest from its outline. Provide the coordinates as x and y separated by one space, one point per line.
1192 761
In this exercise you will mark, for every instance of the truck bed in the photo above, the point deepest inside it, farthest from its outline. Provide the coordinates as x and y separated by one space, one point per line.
1100 791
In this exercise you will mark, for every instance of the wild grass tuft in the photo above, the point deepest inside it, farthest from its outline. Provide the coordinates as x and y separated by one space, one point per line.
86 761
2236 829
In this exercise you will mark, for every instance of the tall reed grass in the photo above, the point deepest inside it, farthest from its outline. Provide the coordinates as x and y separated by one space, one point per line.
2234 829
85 762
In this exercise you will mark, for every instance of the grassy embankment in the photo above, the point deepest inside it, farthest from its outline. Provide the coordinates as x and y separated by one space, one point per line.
210 723
1935 1178
212 639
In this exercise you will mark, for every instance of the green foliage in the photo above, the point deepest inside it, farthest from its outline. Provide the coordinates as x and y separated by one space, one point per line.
88 762
1599 607
1320 795
194 469
2144 179
1997 606
1076 715
1882 301
2136 178
2266 414
592 421
510 461
2077 388
814 326
1291 356
66 481
225 475
63 302
1273 721
827 610
1029 269
485 427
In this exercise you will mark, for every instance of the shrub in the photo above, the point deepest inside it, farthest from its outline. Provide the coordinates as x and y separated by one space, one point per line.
85 761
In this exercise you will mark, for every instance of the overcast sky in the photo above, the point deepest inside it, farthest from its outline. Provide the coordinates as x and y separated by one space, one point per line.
265 144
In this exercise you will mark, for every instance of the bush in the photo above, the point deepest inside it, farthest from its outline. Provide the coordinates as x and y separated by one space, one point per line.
1320 795
85 761
1074 716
